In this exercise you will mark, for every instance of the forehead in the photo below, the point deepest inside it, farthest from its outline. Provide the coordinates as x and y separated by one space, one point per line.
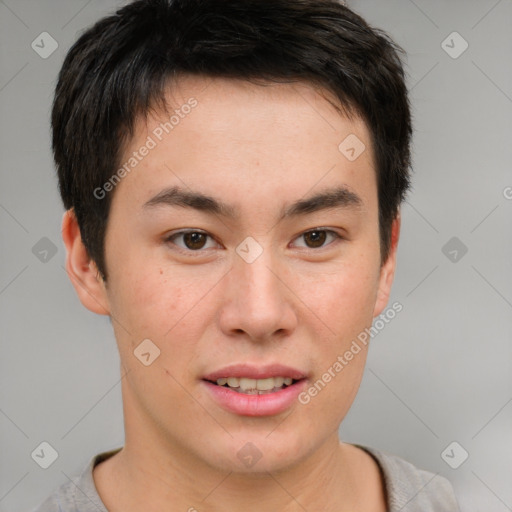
277 138
262 101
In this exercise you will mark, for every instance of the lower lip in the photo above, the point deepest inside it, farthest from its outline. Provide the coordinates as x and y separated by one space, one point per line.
255 405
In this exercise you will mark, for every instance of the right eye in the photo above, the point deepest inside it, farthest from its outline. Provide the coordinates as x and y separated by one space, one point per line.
193 240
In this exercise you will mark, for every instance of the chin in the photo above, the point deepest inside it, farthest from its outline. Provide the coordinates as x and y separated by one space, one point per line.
250 453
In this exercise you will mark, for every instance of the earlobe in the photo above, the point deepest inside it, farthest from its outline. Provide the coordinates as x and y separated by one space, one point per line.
81 269
387 272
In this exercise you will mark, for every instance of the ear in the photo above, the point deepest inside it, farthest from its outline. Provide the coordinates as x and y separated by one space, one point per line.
81 269
387 272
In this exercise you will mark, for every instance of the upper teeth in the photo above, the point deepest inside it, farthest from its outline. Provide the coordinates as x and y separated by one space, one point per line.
246 384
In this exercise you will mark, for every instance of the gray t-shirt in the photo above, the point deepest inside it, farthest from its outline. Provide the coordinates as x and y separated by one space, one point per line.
408 488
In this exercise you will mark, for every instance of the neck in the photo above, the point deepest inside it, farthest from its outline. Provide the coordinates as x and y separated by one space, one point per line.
153 479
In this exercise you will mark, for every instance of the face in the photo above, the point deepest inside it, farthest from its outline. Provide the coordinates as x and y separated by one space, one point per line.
255 281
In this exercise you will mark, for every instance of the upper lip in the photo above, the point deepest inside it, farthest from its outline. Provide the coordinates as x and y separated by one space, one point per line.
255 372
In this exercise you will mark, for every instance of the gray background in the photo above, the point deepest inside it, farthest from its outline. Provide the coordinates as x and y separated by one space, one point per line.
439 372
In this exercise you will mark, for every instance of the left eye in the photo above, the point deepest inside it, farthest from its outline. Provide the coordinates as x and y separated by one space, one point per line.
317 237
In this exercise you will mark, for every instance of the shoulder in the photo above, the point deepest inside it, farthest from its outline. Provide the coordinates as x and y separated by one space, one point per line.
410 489
61 500
78 494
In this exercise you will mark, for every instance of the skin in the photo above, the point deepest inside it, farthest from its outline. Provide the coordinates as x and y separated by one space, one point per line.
258 149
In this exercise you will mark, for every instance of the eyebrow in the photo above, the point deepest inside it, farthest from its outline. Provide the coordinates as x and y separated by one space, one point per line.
338 197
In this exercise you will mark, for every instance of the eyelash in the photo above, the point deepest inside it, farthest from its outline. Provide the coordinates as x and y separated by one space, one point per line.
170 238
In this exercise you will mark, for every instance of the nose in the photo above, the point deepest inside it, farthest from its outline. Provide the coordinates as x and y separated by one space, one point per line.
258 299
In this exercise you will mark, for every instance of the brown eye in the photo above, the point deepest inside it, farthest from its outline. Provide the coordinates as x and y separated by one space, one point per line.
317 238
192 241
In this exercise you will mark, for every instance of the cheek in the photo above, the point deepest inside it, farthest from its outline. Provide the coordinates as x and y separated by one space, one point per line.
338 373
146 302
344 299
345 303
333 389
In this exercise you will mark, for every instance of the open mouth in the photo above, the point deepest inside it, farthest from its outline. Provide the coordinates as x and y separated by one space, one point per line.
255 390
249 386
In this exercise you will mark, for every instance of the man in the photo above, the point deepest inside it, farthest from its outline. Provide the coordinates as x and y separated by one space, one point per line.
232 174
